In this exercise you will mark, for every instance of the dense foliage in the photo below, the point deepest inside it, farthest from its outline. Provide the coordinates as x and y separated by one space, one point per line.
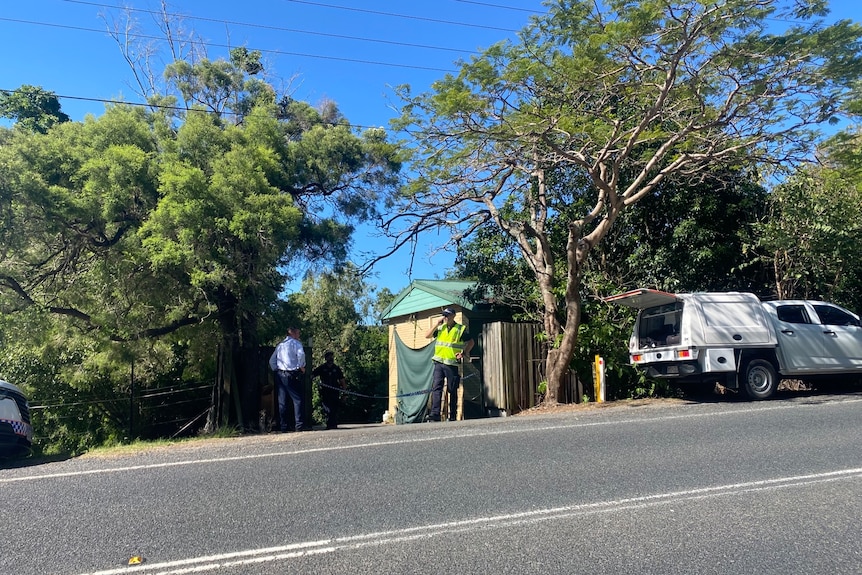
152 248
336 308
685 237
623 99
144 254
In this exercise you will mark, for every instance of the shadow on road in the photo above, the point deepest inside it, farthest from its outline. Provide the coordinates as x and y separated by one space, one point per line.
23 461
788 389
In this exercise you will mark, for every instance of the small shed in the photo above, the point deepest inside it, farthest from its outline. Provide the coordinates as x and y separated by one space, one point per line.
506 363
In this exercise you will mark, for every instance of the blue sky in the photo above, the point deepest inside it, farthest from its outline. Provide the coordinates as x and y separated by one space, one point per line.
350 51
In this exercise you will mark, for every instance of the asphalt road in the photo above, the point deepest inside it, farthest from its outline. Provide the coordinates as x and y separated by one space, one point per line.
728 487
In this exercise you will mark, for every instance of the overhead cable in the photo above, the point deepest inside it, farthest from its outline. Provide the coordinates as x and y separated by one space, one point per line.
267 27
228 46
405 16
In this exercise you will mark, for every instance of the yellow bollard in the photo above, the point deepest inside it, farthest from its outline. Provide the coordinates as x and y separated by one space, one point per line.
599 379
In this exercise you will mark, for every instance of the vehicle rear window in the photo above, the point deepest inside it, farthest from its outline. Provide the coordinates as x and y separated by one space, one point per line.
660 323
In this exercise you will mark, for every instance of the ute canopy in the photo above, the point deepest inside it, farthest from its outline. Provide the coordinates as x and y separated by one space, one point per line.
642 298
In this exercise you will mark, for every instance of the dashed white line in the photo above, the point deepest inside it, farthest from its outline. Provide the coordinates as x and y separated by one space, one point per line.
323 546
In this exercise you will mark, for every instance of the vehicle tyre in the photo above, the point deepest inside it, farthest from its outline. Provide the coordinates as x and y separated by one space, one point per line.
761 380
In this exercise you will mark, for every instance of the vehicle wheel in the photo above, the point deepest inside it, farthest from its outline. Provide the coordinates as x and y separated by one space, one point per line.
761 381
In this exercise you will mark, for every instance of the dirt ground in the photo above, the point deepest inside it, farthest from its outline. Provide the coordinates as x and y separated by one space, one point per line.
576 407
787 386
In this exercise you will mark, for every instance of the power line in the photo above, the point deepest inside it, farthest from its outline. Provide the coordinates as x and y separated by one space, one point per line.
108 4
228 46
488 4
405 16
269 27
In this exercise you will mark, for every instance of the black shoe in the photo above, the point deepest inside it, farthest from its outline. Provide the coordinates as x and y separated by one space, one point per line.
305 429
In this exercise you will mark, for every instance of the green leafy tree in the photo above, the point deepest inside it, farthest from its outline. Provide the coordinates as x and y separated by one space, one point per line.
182 228
81 302
332 305
843 151
240 206
33 108
811 237
627 95
72 199
333 308
686 237
333 176
222 85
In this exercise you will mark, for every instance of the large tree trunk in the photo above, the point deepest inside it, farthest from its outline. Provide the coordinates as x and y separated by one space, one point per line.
559 357
248 372
231 367
559 349
556 361
562 338
240 363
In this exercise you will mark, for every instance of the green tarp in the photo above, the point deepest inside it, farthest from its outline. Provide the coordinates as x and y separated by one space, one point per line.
415 371
414 375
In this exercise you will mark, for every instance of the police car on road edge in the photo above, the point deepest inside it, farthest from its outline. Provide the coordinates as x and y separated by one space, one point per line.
16 433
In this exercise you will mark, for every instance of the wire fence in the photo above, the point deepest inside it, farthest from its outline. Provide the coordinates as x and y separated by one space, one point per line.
165 411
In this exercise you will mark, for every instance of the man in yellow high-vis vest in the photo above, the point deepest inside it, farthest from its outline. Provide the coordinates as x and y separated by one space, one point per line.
452 346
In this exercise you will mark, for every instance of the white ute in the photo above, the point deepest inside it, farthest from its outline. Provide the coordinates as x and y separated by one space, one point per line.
734 339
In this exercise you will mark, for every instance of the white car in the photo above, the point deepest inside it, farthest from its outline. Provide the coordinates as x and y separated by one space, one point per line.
735 339
16 433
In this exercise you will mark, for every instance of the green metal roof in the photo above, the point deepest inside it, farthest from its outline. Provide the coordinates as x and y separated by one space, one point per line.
422 295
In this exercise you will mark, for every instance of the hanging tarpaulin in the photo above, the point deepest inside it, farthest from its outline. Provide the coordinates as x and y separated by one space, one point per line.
414 375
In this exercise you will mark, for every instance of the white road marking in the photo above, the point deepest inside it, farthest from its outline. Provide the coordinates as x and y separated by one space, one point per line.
323 546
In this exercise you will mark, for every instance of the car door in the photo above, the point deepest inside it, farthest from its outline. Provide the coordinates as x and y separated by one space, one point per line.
801 343
842 335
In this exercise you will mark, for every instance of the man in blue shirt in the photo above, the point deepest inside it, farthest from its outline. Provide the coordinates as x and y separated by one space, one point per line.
288 363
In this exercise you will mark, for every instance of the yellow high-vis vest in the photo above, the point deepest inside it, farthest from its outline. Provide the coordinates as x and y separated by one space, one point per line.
448 344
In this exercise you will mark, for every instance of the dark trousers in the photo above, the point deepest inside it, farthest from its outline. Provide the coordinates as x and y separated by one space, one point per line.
453 380
330 400
291 384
